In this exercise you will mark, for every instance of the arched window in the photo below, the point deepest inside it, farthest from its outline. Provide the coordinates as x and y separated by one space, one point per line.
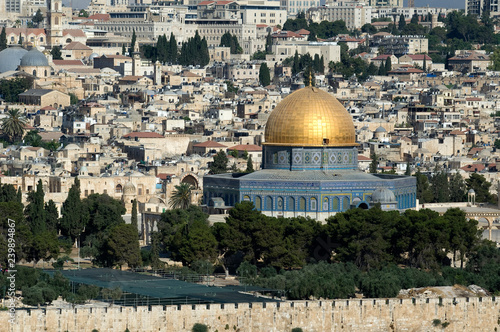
325 203
258 203
291 204
118 189
345 204
269 203
314 204
45 73
246 198
68 40
336 204
302 204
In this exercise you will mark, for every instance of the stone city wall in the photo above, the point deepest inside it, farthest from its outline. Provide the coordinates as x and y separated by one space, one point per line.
460 314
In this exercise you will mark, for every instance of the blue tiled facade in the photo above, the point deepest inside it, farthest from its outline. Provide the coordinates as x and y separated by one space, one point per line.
298 196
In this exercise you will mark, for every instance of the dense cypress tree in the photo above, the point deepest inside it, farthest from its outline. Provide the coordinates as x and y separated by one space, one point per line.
388 65
264 76
51 215
296 64
74 217
172 49
132 43
249 165
402 22
35 212
134 213
3 39
269 42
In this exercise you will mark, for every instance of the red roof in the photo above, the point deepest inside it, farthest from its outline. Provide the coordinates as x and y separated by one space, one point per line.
68 62
247 147
210 144
27 31
302 32
143 134
47 108
363 158
473 99
74 45
74 32
473 168
382 57
163 176
99 17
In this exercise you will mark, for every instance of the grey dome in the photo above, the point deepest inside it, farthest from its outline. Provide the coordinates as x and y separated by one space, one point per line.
383 195
10 58
34 58
93 55
471 191
380 130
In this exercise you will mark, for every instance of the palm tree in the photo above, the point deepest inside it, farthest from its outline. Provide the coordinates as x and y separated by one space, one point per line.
13 125
32 138
181 196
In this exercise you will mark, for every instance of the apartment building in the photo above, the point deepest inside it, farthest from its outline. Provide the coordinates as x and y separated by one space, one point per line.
355 14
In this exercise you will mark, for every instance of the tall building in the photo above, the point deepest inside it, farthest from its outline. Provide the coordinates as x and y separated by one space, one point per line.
309 166
293 7
54 18
13 6
355 14
478 7
385 3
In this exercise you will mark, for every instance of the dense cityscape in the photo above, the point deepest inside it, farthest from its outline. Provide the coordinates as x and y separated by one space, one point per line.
249 165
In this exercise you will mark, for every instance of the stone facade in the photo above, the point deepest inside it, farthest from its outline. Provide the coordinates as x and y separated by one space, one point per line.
460 314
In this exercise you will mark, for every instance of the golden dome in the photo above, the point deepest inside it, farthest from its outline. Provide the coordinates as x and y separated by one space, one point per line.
310 117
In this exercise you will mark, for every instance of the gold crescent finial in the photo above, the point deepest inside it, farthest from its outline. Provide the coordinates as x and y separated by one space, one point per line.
310 79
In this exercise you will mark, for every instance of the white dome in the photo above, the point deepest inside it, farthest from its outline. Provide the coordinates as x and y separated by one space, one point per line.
383 195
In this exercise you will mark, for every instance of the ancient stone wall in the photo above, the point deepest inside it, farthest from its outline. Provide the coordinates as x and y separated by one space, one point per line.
460 314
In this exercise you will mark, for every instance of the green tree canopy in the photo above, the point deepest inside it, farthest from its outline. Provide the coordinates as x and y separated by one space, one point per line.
123 246
56 53
481 187
219 165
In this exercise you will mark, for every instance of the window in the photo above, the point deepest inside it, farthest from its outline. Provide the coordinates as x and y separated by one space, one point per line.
118 189
325 204
258 203
302 204
335 206
313 204
291 204
345 204
269 203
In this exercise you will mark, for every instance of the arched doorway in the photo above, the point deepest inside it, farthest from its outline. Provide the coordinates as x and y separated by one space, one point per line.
363 206
191 180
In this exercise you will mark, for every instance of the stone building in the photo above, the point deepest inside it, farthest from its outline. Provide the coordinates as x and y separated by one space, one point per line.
44 97
309 166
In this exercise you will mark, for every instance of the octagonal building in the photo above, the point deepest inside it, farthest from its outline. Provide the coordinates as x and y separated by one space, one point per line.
309 166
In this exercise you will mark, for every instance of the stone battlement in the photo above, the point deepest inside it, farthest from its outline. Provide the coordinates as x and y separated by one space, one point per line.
460 314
